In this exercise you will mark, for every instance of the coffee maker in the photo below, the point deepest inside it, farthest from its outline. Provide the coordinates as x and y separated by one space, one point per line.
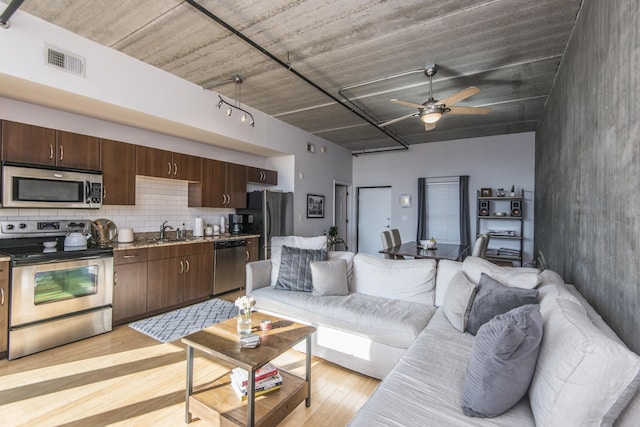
235 224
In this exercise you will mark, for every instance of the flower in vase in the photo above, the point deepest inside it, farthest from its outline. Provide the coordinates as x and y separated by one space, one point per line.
245 302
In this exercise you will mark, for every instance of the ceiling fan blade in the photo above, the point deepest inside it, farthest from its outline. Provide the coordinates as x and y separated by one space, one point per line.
392 121
408 104
459 96
469 110
429 126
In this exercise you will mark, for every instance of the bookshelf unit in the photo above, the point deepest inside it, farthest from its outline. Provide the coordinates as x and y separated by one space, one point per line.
500 225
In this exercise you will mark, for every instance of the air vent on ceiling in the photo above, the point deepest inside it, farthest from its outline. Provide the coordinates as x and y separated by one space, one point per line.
58 58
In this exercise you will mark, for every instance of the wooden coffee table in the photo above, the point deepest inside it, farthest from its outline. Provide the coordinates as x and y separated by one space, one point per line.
217 403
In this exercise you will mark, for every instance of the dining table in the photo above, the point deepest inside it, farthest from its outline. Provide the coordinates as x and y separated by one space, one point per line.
440 251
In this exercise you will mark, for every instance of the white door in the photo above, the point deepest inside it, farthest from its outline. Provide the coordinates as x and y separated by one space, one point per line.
340 206
374 217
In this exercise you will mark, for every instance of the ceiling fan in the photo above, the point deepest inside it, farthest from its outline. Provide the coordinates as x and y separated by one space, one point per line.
433 110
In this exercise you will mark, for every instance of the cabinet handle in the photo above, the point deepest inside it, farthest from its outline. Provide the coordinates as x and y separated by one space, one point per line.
50 151
1 296
181 267
175 169
247 254
130 256
188 266
61 153
169 170
104 192
115 278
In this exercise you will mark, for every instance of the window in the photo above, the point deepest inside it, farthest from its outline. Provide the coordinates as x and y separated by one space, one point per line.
442 207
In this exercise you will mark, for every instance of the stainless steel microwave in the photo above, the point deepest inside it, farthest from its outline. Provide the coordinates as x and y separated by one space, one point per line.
35 187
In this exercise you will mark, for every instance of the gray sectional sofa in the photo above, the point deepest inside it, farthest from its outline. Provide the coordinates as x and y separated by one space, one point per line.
396 323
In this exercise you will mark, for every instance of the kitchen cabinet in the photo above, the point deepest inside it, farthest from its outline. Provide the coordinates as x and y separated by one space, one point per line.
166 164
4 308
129 284
179 273
253 249
262 176
222 185
118 165
29 144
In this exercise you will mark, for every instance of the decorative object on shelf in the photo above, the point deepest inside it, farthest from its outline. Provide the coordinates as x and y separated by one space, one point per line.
238 80
513 191
245 306
486 192
405 200
315 206
500 214
500 192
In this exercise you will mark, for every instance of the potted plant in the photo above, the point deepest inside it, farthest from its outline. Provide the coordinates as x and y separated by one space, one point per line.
333 239
513 191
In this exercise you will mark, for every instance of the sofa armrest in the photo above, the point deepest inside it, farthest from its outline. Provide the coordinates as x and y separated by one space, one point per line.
258 275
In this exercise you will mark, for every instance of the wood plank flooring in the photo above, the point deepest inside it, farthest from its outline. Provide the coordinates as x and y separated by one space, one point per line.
126 378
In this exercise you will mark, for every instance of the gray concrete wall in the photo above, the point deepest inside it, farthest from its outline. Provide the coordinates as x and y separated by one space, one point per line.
587 203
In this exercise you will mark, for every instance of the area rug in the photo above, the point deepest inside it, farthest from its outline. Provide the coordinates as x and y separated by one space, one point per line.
179 323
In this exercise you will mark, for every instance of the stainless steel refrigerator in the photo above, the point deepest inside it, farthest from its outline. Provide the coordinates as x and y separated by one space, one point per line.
268 213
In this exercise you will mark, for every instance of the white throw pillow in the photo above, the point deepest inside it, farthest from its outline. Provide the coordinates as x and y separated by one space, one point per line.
581 375
319 242
348 257
458 301
520 277
329 277
445 272
406 280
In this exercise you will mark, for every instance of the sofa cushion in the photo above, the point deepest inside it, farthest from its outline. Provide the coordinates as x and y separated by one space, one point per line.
492 298
458 300
295 271
519 277
329 277
348 257
319 242
445 272
582 374
406 280
502 362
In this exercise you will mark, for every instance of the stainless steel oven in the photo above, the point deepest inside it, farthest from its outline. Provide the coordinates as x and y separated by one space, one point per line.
57 295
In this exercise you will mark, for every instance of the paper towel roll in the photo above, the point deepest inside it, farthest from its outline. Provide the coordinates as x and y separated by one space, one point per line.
198 227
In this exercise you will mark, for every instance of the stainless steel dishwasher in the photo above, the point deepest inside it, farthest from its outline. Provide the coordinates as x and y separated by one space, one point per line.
229 260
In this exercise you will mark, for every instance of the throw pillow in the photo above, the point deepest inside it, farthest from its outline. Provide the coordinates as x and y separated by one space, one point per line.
295 272
277 242
493 298
517 277
329 277
348 257
502 363
458 301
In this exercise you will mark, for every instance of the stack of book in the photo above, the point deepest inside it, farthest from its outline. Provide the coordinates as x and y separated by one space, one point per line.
509 252
268 379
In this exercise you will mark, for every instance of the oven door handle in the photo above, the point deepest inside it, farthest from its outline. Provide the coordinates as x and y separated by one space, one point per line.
19 263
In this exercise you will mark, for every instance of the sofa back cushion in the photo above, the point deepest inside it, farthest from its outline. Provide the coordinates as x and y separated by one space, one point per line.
319 242
582 375
446 271
406 280
516 277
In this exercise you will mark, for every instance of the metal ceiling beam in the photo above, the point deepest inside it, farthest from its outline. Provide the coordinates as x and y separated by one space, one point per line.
288 67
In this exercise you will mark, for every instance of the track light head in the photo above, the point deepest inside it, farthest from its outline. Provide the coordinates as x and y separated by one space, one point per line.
229 111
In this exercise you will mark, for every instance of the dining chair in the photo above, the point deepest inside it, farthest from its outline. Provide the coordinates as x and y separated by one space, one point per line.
479 246
487 237
389 241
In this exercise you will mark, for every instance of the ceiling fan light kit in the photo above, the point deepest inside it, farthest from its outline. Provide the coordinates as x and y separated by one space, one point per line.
432 110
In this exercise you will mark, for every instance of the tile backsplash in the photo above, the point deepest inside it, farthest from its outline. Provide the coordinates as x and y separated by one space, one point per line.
157 200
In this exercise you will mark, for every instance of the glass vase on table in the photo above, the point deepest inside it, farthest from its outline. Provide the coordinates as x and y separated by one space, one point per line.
244 320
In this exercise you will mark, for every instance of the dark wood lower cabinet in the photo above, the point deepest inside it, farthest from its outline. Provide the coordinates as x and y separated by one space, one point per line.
129 285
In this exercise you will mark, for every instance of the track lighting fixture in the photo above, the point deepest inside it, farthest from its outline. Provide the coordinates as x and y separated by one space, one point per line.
237 79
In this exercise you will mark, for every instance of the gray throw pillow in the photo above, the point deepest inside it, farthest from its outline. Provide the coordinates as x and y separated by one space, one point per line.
295 272
493 298
502 362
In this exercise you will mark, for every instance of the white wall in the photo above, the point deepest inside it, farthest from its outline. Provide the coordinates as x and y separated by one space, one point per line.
495 162
123 86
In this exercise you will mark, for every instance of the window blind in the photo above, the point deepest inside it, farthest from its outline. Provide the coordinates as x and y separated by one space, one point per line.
443 209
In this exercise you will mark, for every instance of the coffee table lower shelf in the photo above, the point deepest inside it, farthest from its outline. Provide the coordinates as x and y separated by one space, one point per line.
219 405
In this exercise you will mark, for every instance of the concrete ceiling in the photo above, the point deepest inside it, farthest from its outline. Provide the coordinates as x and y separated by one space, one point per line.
359 53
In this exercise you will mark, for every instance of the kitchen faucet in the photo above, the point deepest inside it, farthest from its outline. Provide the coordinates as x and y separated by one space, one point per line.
163 227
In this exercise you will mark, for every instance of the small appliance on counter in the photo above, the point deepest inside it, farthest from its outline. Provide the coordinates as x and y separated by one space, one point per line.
235 224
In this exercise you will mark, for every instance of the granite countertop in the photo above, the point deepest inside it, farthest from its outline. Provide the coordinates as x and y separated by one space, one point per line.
4 258
150 240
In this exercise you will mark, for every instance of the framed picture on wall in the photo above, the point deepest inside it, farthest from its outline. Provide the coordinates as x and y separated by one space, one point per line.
486 192
315 206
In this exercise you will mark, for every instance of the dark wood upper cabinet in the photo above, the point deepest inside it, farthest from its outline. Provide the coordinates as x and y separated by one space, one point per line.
223 185
166 164
118 173
22 143
262 176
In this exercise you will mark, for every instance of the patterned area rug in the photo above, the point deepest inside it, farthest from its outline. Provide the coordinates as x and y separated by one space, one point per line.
176 324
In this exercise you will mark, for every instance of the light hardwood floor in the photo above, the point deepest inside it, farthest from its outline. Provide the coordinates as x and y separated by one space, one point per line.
125 378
